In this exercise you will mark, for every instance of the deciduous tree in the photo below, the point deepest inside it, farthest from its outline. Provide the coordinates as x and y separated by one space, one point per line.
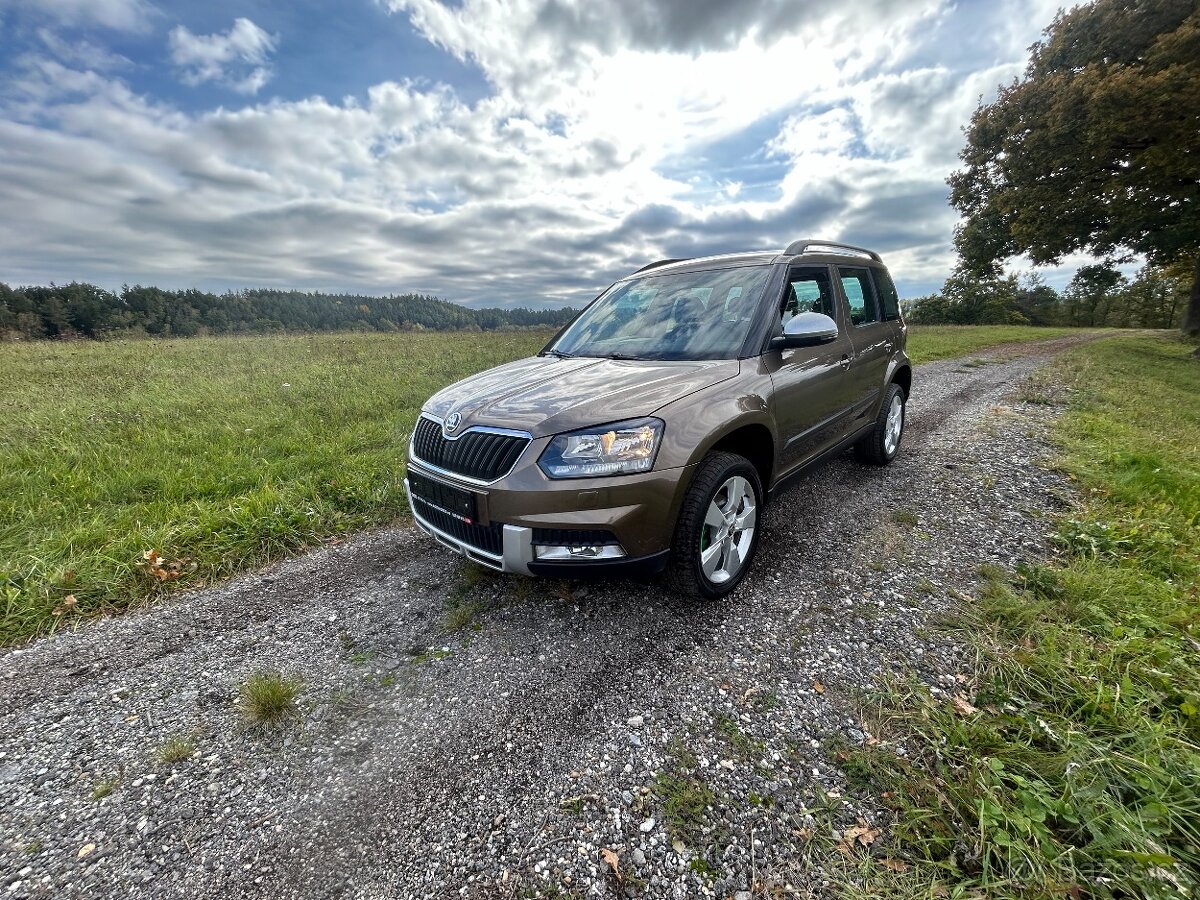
1096 149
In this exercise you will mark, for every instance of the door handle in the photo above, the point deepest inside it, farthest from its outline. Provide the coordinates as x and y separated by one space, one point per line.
845 361
887 345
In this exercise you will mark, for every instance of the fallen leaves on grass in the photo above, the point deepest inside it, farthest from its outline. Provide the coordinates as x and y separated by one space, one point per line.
962 705
862 835
161 569
68 605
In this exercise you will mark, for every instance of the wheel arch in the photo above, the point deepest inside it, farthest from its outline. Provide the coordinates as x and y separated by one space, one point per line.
754 441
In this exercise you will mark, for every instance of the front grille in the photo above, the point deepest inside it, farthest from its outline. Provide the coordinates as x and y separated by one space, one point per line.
488 538
482 455
573 537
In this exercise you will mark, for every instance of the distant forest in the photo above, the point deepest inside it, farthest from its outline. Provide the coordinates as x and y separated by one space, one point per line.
80 310
1097 296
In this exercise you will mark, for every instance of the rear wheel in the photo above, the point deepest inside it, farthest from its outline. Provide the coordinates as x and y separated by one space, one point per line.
883 443
717 532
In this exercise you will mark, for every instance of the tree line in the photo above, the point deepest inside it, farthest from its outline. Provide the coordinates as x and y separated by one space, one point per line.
1098 296
87 311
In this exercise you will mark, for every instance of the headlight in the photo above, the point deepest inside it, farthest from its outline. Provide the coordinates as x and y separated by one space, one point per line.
618 449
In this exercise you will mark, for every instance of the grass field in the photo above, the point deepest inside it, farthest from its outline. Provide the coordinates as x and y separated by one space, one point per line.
221 454
929 342
1078 772
218 454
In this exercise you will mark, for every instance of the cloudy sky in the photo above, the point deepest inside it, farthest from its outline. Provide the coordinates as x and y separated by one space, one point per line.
489 151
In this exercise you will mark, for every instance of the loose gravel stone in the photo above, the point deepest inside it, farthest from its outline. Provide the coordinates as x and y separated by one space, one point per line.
576 720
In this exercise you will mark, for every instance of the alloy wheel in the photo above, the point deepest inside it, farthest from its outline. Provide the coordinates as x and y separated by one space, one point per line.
728 531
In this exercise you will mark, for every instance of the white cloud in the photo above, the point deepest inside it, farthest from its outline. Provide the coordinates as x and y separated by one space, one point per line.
605 141
119 15
238 58
82 53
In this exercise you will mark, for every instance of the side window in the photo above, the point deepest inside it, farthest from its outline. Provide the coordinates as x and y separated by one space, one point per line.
886 291
860 293
809 289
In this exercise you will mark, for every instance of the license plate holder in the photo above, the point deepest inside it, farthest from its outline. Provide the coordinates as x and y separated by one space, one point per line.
461 504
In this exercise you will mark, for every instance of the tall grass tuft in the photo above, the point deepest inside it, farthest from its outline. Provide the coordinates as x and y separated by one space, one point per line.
269 698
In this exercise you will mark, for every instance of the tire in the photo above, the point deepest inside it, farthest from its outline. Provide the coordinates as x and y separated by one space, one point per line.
722 480
883 443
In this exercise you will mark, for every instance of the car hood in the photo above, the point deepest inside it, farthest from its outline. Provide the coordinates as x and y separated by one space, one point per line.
547 395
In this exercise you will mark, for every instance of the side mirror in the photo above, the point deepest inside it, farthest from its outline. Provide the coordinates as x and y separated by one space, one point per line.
806 329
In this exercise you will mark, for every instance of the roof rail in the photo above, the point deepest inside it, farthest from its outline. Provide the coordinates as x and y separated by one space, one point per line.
803 246
661 262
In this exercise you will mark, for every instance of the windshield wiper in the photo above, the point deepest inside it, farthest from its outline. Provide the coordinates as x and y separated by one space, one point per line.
619 356
556 353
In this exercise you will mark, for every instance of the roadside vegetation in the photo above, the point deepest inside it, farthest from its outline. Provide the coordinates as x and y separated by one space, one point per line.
129 469
1070 766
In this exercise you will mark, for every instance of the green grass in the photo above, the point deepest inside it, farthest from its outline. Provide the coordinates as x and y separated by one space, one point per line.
269 698
1074 767
176 749
686 800
929 342
134 468
218 454
104 787
463 614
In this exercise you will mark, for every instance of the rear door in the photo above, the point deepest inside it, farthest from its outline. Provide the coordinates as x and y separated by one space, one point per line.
872 339
812 398
889 302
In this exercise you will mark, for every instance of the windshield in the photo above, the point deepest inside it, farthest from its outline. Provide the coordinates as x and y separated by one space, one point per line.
693 315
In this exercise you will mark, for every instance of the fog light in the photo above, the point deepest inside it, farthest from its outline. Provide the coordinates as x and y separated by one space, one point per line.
577 552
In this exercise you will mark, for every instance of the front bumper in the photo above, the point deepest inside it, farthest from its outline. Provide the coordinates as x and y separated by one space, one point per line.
639 511
516 543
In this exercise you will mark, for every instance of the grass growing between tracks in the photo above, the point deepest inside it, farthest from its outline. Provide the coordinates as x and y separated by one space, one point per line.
1071 766
217 454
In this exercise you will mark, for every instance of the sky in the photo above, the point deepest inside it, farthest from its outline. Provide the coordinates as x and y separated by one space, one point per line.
492 152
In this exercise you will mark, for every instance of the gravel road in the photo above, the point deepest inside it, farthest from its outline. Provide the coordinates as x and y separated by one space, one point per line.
691 741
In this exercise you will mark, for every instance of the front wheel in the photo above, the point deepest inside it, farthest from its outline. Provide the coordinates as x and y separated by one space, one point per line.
717 532
882 444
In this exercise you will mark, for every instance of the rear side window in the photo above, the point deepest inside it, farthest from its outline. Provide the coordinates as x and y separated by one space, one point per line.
886 291
860 293
809 290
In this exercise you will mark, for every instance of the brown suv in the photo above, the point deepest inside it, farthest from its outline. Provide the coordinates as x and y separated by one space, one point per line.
649 431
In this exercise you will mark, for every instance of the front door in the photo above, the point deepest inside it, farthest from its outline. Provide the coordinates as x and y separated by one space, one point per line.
813 397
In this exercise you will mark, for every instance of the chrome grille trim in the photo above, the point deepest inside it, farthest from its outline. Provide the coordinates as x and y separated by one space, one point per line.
478 461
